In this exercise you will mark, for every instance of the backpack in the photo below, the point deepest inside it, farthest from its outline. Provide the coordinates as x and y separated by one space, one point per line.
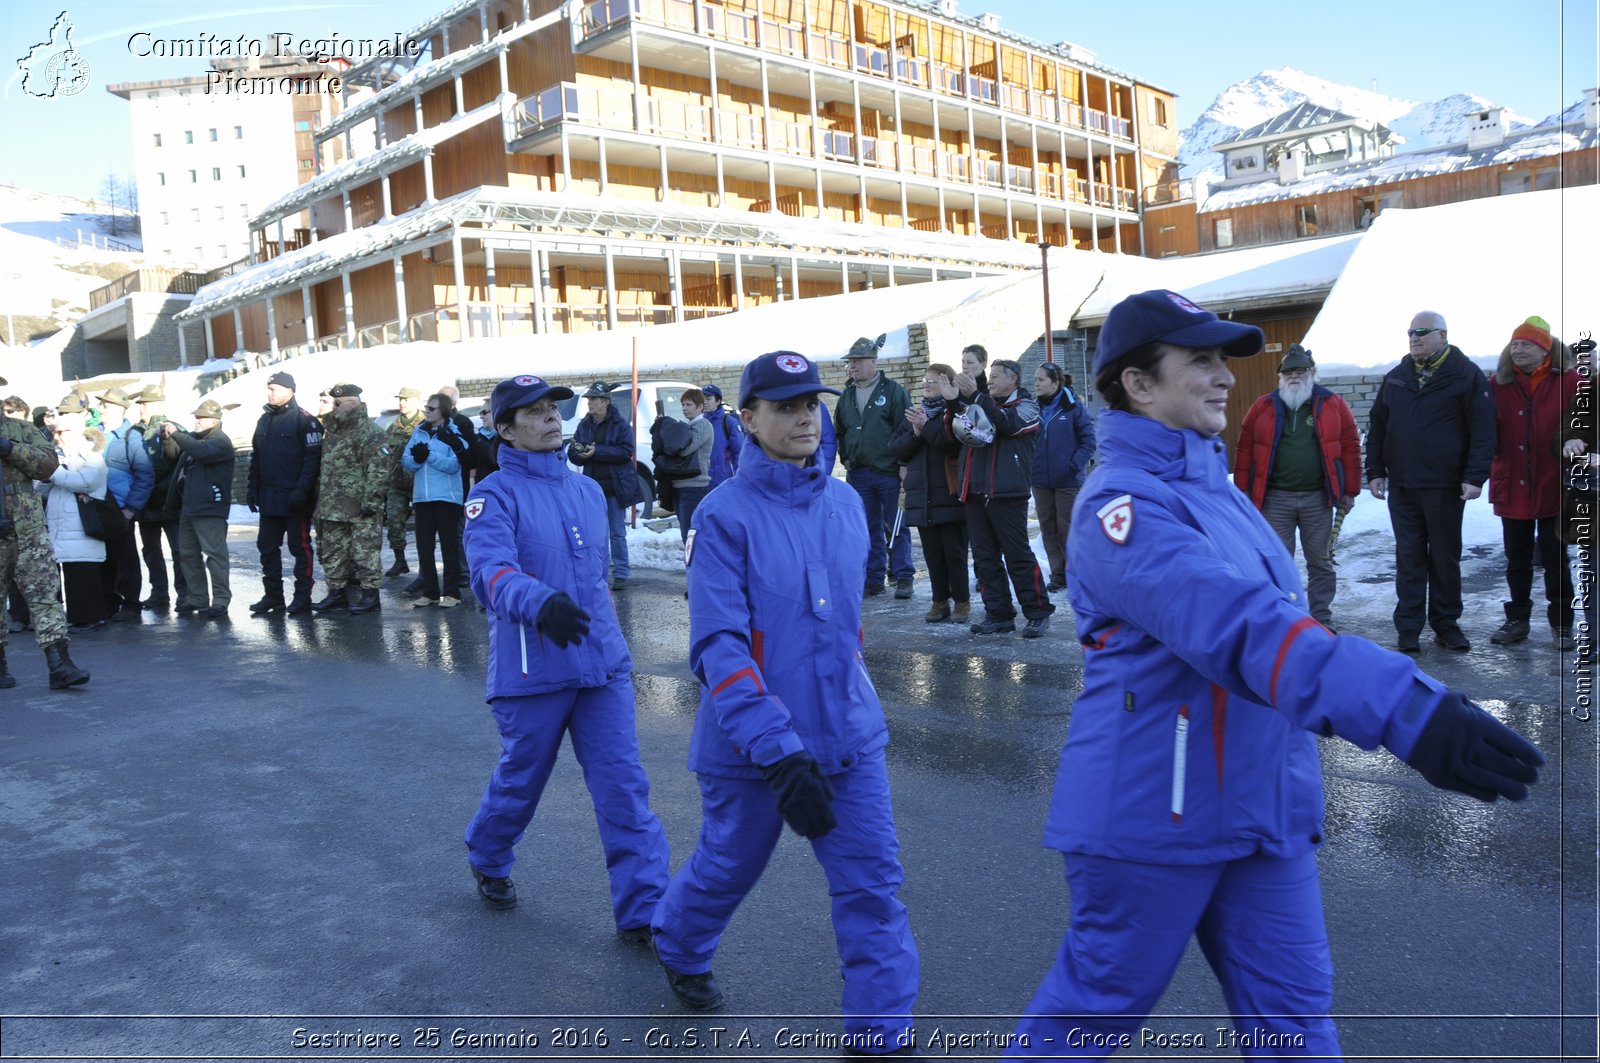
670 440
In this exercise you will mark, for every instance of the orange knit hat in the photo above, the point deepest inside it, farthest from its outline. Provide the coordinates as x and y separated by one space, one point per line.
1536 330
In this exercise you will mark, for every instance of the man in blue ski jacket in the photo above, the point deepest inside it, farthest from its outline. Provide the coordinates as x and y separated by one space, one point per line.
537 544
790 729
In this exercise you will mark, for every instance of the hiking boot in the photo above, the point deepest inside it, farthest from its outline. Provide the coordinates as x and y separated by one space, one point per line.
991 626
1562 637
1057 583
366 603
872 589
937 613
1408 642
301 603
414 587
1513 630
902 588
1452 639
961 613
399 568
1036 627
699 992
336 599
157 604
496 892
128 614
270 604
63 673
215 612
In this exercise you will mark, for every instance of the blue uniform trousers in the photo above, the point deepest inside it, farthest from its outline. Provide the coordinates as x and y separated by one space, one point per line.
1259 923
739 828
601 722
880 494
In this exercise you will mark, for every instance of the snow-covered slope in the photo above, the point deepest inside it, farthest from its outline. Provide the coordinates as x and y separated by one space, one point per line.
39 277
1271 92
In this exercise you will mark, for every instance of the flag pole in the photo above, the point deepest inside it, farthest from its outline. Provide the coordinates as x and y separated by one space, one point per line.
633 423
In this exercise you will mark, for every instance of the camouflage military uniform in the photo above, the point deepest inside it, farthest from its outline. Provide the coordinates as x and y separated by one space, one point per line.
355 473
398 503
25 558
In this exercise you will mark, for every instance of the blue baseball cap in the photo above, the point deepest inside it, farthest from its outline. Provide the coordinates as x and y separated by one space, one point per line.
511 395
780 375
1168 317
711 389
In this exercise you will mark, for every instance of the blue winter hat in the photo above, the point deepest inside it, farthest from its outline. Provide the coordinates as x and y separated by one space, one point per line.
1168 317
511 395
780 375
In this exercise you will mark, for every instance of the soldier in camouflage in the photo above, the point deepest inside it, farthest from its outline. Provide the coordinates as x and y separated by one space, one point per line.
397 508
354 478
25 558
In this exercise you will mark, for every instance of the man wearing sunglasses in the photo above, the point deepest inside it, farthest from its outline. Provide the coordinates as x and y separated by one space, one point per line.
1429 445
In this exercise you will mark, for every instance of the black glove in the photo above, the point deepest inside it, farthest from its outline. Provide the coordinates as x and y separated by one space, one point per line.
562 621
298 498
453 441
1463 748
805 796
251 501
419 453
5 446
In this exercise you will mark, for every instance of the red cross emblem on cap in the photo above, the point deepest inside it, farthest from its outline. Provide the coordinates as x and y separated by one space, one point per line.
792 363
1183 303
527 381
1116 518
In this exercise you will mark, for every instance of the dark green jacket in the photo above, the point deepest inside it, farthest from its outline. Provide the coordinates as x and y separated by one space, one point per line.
864 437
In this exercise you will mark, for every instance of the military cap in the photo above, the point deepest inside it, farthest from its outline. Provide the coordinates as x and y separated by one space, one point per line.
407 393
1297 358
151 393
115 397
862 348
209 408
345 391
598 390
71 402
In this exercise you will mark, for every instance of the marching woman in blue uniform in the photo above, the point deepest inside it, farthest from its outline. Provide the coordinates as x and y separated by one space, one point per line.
1189 799
536 541
790 729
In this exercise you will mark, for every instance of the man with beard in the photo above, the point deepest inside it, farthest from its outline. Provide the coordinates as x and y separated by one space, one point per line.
1299 458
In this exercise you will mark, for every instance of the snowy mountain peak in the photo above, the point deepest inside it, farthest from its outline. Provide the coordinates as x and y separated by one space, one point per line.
1257 99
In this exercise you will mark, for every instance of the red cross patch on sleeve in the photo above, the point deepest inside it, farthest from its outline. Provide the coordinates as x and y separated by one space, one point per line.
1116 518
473 508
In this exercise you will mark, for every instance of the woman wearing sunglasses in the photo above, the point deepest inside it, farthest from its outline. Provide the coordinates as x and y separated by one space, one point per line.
433 456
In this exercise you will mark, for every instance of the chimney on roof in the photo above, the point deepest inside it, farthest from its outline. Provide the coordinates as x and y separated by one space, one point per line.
990 21
1487 128
1591 108
947 8
1290 167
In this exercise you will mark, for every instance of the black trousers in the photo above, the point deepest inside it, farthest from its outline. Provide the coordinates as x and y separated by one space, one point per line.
998 530
269 540
1427 557
438 522
120 577
150 535
944 550
84 592
1522 539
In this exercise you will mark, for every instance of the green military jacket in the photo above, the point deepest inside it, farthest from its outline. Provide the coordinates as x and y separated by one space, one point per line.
32 458
355 466
397 436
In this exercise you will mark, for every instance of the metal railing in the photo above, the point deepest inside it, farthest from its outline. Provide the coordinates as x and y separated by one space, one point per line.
176 281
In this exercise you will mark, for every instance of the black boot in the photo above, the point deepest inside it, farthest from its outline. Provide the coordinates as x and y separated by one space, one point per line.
334 600
7 680
365 603
63 673
399 568
1516 627
271 601
301 602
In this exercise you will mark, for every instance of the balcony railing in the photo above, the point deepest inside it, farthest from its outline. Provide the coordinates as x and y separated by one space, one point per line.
177 281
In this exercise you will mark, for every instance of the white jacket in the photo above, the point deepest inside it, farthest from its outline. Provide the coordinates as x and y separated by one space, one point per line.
81 473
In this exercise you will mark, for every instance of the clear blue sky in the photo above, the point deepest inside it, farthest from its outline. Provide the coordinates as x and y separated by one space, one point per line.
1535 57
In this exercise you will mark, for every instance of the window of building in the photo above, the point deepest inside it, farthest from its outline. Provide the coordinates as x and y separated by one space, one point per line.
221 212
154 98
213 132
241 171
188 136
216 173
194 213
194 176
1391 200
1512 182
1549 177
238 132
1306 220
302 126
222 249
158 140
161 178
244 210
199 252
307 164
163 217
1223 232
1158 110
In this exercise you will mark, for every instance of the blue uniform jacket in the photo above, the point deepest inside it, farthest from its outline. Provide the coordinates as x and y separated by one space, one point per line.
129 475
777 562
828 451
1205 681
535 528
1066 443
727 439
439 478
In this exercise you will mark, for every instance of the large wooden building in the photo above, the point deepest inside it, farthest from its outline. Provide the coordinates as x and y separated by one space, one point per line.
653 161
1313 172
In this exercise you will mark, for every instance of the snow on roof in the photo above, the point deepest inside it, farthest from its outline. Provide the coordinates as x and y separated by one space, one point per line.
1485 264
412 147
1451 158
413 81
1301 116
567 212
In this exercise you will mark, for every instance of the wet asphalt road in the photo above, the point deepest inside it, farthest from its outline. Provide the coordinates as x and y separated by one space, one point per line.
256 818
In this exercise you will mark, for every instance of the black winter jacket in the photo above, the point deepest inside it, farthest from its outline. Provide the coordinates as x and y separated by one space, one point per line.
1441 435
930 460
1004 468
203 481
612 463
285 459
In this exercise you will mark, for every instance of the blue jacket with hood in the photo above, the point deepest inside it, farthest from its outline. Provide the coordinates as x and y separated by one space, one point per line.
439 478
1205 681
777 561
533 529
